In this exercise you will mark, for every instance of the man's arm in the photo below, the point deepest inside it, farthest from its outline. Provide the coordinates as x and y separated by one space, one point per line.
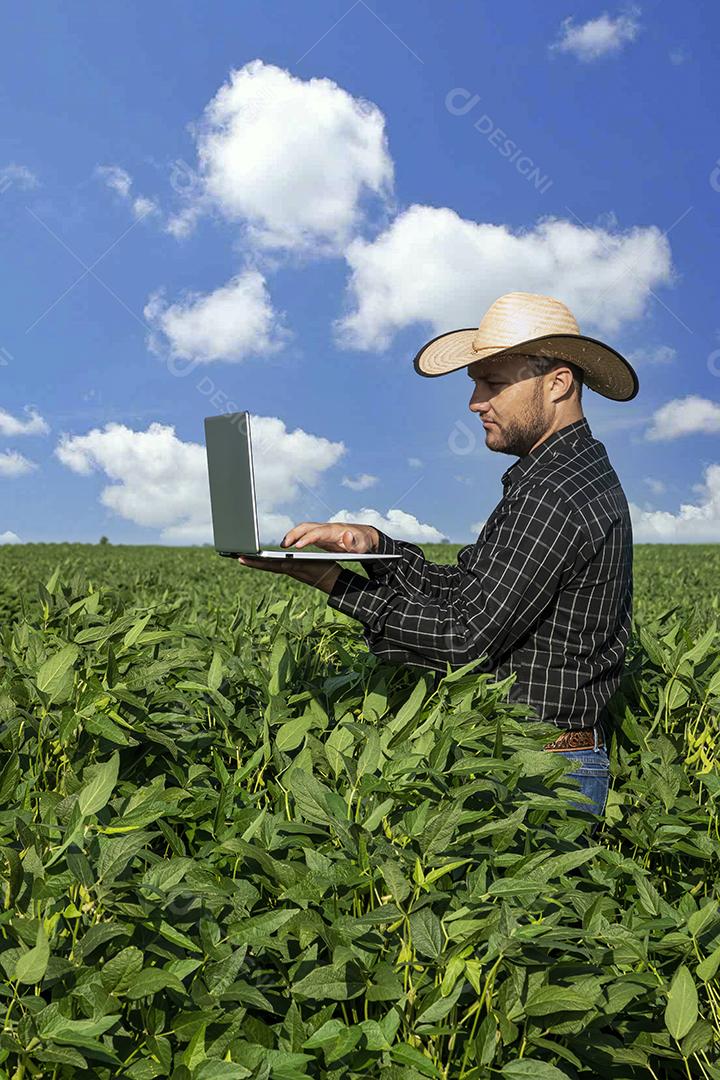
508 582
412 573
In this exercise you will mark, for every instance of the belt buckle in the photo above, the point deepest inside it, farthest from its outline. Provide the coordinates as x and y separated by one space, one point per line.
575 739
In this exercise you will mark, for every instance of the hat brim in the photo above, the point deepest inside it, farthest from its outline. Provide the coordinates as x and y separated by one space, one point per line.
605 370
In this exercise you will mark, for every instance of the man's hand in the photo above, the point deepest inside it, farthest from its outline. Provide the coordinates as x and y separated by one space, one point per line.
333 536
330 536
320 573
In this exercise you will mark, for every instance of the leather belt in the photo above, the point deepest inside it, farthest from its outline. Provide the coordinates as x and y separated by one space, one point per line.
579 739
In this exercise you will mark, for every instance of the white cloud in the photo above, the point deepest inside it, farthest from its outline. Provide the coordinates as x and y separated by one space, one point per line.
12 425
598 37
656 486
414 462
183 223
359 483
161 482
120 181
117 179
292 160
235 321
396 523
9 537
699 522
432 266
685 416
143 206
13 463
477 527
17 174
653 354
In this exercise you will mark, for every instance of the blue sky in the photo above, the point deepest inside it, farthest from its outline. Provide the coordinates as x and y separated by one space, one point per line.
272 206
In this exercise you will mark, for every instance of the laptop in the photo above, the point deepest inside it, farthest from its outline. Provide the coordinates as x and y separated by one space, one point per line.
228 444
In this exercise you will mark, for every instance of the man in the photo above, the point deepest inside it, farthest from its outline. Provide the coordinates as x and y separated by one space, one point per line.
546 589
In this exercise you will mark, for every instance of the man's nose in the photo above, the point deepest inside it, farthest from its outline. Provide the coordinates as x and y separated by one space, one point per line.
477 399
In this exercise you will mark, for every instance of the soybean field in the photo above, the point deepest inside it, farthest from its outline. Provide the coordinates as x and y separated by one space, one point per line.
235 844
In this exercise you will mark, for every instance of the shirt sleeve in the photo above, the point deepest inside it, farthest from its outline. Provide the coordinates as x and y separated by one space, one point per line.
504 584
412 572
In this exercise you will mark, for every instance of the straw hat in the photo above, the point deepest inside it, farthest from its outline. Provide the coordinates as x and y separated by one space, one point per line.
534 325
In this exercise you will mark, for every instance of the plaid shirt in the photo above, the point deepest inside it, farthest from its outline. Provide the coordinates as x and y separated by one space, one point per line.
545 591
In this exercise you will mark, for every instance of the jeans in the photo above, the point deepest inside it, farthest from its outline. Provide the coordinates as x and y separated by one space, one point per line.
593 775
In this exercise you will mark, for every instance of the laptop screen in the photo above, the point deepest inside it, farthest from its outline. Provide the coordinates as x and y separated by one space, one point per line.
232 483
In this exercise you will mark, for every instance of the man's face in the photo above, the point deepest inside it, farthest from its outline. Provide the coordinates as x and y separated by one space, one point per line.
510 399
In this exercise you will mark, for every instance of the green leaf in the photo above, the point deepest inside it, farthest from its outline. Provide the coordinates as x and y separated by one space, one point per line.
372 756
212 1069
405 1054
375 703
149 981
121 970
97 791
426 932
676 695
142 814
117 852
315 802
98 934
439 1009
171 933
461 672
486 1039
375 1037
195 1052
326 1034
215 674
454 970
681 1010
280 662
698 1038
714 684
520 887
395 880
532 1069
55 675
553 999
648 895
700 650
9 778
30 967
702 918
61 1055
135 631
290 735
336 982
338 743
440 871
51 583
410 707
15 874
707 968
52 1024
563 864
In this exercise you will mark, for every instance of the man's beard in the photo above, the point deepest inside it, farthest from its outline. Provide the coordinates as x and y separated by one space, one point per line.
520 434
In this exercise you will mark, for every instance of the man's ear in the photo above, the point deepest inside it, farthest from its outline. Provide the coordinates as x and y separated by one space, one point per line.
562 382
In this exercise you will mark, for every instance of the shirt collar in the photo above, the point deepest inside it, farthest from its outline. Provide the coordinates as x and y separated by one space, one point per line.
546 450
